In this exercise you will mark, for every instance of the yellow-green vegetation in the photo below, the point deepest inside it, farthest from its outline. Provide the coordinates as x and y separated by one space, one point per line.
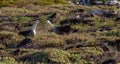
21 3
83 47
54 55
7 60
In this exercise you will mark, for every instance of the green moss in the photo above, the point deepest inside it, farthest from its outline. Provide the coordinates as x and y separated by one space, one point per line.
114 32
94 51
21 3
8 60
49 56
43 2
78 58
75 48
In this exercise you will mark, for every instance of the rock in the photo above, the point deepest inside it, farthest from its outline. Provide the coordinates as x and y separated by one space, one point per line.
97 12
109 61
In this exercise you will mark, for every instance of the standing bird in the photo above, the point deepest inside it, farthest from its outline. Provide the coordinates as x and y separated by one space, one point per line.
30 32
61 29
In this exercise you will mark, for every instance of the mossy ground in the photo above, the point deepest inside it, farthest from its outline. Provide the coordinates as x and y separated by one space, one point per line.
47 47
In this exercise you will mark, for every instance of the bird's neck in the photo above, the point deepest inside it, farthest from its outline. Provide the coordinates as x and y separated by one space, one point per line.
50 24
34 26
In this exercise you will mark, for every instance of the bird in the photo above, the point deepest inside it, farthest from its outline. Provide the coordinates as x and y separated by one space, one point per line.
24 42
30 32
61 29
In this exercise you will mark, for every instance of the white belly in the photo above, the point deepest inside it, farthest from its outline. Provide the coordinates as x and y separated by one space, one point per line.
34 31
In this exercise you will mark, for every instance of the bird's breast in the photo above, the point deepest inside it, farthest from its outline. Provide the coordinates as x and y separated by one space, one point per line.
34 32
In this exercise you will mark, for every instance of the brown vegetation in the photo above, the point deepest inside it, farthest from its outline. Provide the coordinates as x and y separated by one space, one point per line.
96 41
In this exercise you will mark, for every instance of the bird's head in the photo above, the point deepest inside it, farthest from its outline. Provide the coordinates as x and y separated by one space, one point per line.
36 24
48 22
37 21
